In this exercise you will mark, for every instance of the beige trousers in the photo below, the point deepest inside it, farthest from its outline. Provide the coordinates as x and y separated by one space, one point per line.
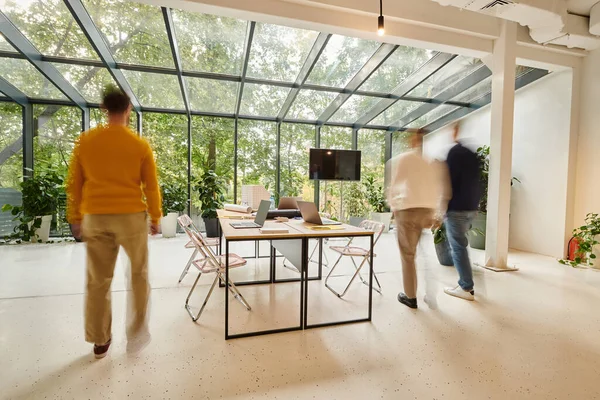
104 234
410 224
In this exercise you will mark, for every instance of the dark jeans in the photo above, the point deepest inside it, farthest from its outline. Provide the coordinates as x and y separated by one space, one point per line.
457 225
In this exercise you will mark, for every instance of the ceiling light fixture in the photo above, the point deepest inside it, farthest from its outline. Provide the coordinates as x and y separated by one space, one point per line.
380 26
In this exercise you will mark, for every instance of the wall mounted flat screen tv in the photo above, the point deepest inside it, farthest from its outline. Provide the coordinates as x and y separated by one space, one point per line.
334 165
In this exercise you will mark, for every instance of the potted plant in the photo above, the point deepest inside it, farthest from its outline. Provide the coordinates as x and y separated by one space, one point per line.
210 189
479 224
442 246
355 203
586 237
40 201
376 200
174 201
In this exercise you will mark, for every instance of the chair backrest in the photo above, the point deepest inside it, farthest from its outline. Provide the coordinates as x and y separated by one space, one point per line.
198 240
374 226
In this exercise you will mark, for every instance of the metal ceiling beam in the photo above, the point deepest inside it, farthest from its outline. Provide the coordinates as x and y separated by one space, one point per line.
414 80
15 94
378 58
24 46
176 56
246 58
85 22
464 84
483 101
312 58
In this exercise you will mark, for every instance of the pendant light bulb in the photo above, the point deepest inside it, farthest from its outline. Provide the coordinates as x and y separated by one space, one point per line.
380 26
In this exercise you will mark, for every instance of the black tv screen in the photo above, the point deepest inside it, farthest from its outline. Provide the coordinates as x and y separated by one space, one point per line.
334 165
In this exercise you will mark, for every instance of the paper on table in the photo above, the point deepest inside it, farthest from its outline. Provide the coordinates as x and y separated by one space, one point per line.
238 208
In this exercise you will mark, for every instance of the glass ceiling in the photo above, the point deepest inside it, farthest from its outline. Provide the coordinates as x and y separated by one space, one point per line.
214 55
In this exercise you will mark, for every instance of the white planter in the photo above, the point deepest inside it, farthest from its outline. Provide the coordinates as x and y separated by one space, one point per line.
385 218
43 232
169 225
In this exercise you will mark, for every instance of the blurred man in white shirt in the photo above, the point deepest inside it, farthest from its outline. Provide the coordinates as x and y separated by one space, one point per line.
417 194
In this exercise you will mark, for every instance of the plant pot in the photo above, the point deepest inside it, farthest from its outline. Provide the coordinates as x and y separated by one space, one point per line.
355 221
385 218
442 250
212 227
168 225
43 232
477 241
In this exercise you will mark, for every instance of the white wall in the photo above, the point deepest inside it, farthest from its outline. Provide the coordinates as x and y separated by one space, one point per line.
587 193
540 161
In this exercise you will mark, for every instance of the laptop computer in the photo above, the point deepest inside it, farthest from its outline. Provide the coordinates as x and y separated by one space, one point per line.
310 214
259 220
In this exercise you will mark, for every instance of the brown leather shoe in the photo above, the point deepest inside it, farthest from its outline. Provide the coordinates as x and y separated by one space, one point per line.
100 350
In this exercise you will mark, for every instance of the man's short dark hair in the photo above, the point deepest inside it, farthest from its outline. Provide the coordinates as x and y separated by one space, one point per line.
114 100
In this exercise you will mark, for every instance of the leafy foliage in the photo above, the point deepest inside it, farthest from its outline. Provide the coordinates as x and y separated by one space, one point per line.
40 197
586 240
483 155
375 195
355 201
174 198
211 194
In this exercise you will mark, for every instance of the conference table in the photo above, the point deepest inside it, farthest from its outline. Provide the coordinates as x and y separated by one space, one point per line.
293 245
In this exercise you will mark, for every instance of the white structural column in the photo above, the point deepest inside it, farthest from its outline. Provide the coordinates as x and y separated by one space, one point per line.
501 141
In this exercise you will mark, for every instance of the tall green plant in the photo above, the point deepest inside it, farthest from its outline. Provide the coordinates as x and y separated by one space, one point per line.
211 193
586 240
355 200
483 155
174 198
41 194
375 195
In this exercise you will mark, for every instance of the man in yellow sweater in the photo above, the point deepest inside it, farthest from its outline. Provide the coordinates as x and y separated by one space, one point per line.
112 169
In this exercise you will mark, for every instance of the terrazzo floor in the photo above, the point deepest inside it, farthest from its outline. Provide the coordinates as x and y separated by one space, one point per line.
532 334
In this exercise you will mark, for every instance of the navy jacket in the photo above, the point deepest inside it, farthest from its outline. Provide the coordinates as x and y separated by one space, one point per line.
463 167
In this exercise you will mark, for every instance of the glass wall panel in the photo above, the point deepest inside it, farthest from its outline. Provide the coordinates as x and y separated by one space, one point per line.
393 114
278 52
263 100
399 66
400 143
135 32
156 90
21 74
89 81
432 116
310 104
296 141
371 143
11 161
256 154
5 46
168 137
213 148
342 58
454 71
57 130
49 25
210 43
354 108
333 137
211 95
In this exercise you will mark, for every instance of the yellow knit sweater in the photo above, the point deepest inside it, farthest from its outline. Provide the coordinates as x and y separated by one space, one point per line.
111 171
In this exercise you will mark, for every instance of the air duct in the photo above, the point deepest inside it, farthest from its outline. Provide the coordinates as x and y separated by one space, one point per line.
548 20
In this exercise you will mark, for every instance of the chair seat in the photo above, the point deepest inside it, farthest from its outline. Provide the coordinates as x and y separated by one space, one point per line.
351 251
206 265
210 242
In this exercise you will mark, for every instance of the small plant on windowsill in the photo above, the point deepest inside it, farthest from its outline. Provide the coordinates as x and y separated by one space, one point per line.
586 237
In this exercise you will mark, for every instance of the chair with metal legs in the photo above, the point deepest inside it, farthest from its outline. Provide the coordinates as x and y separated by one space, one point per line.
184 221
211 263
352 251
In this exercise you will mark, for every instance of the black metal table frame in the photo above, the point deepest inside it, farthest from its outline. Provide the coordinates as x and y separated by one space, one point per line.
304 279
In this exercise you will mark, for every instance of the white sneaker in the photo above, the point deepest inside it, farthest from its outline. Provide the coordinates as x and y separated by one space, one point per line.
459 292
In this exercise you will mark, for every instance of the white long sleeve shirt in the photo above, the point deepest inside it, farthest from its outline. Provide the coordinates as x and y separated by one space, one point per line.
418 183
